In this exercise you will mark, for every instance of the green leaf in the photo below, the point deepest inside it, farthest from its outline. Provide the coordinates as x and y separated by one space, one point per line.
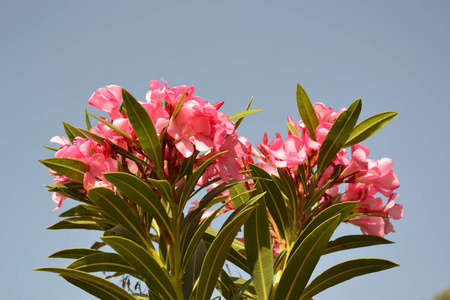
72 132
289 188
238 123
233 256
103 262
243 114
307 112
86 118
117 208
193 269
193 179
141 194
274 199
164 187
258 250
341 209
146 262
116 129
72 168
73 253
118 149
193 239
80 223
94 285
242 289
218 251
338 135
354 241
145 130
345 271
239 194
292 129
369 127
299 268
79 210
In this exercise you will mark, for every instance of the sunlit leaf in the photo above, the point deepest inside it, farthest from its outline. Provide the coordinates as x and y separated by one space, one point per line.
72 168
338 135
94 285
369 127
345 271
354 241
307 112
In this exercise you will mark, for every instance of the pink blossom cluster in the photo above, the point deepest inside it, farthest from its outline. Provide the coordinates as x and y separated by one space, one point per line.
196 128
366 180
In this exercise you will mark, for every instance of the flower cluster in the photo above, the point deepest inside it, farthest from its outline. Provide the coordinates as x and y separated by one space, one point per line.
187 125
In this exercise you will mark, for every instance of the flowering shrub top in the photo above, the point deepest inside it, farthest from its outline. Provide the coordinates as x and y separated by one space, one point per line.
136 172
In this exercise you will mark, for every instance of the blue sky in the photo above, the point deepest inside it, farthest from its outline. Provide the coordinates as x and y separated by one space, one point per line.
393 54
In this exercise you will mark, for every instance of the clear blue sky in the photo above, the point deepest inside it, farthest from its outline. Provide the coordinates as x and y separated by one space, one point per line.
393 54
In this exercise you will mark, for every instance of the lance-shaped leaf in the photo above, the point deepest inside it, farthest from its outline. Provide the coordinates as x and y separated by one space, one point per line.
193 179
292 129
103 262
354 241
288 187
72 132
117 208
242 289
192 271
88 223
338 135
74 253
345 271
146 263
341 209
239 194
87 120
164 187
307 112
233 256
118 149
299 268
258 250
110 125
94 285
243 114
72 168
194 238
141 194
369 127
218 251
238 123
225 285
274 199
145 130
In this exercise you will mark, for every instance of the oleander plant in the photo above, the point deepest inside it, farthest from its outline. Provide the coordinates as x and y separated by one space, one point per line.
153 176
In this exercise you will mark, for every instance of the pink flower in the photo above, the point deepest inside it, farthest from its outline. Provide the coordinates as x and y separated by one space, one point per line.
99 164
108 99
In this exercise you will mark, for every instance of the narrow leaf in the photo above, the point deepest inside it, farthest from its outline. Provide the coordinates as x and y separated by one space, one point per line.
72 132
258 250
146 262
141 194
303 261
307 112
144 129
238 123
74 253
341 209
354 241
193 269
369 127
243 114
338 135
117 208
79 223
345 271
274 199
94 285
72 168
218 252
